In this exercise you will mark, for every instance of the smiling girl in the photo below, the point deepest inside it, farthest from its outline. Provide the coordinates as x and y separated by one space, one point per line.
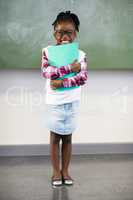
63 106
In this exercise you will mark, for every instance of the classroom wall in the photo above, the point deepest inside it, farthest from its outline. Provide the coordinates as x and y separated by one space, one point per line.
106 110
105 32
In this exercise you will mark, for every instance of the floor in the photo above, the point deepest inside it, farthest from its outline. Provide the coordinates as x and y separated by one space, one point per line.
97 177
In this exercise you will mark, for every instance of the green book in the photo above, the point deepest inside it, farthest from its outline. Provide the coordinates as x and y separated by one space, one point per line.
62 55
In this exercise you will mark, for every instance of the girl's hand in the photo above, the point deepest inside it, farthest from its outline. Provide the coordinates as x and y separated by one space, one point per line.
75 66
56 84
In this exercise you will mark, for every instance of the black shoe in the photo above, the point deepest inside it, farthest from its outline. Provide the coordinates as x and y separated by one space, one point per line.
67 181
56 182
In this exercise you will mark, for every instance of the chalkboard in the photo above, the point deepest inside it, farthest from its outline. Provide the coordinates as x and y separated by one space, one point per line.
106 31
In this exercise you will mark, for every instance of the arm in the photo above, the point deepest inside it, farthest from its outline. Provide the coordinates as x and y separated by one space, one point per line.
80 78
52 72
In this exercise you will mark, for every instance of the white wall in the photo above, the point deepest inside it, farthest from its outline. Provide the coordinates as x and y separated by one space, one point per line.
106 110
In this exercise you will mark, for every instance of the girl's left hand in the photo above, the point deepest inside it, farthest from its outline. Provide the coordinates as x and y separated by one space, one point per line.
75 66
56 84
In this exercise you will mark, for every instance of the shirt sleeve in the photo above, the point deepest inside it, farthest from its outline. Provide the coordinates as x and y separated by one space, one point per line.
80 78
52 72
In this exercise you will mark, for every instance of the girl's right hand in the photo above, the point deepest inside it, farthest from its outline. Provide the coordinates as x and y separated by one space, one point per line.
75 66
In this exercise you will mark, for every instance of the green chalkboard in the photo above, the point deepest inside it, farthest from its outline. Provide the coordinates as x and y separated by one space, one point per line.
106 31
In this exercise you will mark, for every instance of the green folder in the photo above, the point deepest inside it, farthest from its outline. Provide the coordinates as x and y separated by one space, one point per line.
62 55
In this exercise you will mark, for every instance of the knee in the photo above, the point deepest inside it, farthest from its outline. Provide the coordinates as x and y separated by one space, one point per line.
66 139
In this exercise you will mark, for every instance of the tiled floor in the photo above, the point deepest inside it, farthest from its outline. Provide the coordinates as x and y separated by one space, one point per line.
97 177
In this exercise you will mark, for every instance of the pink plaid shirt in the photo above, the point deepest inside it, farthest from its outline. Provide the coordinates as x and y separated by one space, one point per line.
52 72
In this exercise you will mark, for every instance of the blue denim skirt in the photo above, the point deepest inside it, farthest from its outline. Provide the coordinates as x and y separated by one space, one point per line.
62 119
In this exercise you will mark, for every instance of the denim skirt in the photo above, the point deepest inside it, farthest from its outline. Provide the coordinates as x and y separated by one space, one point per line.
62 119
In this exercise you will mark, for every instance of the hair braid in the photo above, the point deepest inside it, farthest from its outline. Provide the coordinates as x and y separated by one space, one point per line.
67 16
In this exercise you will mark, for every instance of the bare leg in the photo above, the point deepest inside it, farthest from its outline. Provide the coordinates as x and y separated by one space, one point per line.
66 154
54 152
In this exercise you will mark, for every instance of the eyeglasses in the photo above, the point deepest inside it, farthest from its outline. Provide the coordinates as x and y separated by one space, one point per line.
60 33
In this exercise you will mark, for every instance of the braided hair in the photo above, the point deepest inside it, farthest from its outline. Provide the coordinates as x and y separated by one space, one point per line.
67 16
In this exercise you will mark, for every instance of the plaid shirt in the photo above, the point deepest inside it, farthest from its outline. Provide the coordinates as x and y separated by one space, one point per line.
52 72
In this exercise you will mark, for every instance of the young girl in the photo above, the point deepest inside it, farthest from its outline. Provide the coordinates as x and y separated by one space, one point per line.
63 105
